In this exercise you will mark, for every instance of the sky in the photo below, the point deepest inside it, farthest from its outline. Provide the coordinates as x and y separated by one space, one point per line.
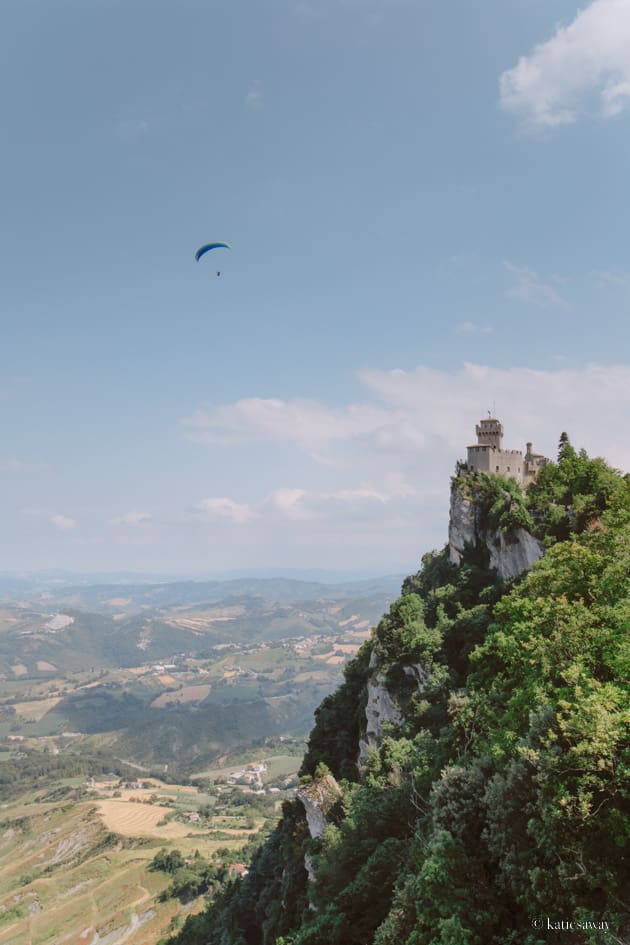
427 202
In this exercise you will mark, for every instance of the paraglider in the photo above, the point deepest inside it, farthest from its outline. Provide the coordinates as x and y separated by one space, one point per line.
207 247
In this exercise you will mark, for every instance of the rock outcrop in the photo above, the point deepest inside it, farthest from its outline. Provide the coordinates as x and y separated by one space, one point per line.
510 554
382 707
318 798
513 557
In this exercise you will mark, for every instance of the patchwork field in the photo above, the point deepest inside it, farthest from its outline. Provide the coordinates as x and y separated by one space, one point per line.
185 694
37 709
107 692
75 870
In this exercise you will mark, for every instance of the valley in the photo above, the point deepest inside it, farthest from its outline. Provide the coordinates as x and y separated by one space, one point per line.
172 729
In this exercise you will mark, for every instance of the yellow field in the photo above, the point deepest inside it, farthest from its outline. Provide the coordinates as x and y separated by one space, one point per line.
205 618
34 711
45 667
189 624
185 694
19 669
139 820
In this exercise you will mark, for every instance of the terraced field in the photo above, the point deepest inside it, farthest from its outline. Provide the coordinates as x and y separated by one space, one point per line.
75 870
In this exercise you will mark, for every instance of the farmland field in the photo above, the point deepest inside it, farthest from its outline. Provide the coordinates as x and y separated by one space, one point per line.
139 820
80 866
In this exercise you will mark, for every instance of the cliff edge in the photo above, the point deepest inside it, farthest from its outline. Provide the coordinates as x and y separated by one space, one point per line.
512 550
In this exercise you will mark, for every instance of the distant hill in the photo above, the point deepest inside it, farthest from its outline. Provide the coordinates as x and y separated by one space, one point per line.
105 597
180 672
127 625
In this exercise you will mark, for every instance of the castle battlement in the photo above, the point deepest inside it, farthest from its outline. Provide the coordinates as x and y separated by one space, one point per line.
488 456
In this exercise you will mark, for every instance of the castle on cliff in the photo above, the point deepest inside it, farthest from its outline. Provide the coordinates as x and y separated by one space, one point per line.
488 456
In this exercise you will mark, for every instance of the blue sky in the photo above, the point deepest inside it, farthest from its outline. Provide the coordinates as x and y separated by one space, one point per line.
428 204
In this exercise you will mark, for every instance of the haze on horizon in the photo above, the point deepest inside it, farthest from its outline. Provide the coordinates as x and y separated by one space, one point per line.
427 208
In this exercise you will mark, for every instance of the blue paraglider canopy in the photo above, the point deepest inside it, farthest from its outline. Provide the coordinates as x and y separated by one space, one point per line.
208 246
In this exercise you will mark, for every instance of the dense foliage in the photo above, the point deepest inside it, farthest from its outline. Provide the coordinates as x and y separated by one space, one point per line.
189 877
30 769
500 806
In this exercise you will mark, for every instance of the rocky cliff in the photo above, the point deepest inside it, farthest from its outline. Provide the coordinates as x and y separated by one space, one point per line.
318 798
458 778
382 706
512 551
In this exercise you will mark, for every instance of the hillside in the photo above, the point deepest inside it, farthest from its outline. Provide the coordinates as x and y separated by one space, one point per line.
127 625
78 858
467 784
179 680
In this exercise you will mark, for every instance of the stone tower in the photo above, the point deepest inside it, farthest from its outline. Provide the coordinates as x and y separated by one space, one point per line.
490 433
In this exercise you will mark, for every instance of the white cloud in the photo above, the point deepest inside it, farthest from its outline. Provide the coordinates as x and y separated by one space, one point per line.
427 414
224 508
530 288
254 95
131 519
553 84
591 403
309 423
302 504
62 522
383 494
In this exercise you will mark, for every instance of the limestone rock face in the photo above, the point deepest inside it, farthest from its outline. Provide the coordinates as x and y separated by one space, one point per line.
381 708
510 557
463 525
318 798
514 557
